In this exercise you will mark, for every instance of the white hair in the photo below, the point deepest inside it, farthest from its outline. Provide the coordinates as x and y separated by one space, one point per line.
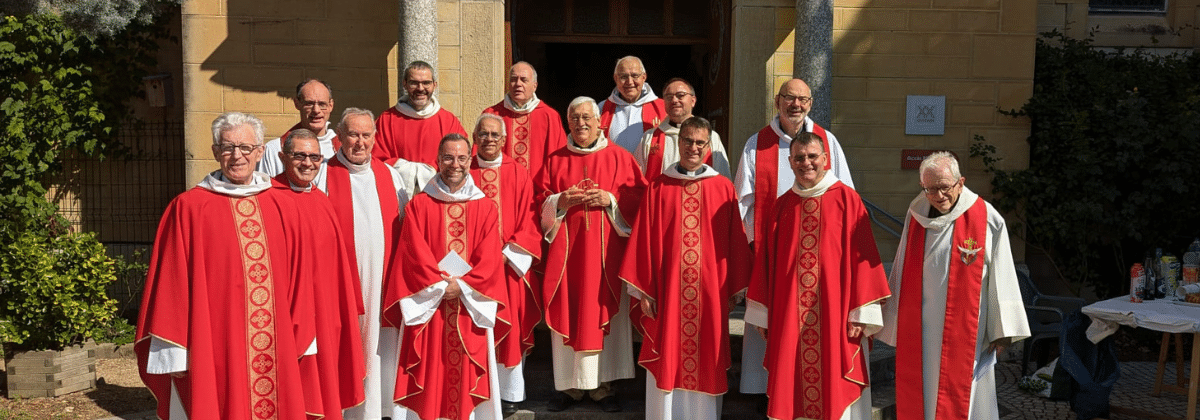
487 115
584 100
351 112
629 57
939 161
232 120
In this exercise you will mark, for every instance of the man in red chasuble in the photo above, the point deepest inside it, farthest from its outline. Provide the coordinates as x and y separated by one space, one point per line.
534 129
687 256
506 182
225 320
816 293
412 129
446 292
957 304
587 190
333 273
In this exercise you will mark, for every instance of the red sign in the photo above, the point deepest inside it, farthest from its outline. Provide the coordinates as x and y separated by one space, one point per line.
912 158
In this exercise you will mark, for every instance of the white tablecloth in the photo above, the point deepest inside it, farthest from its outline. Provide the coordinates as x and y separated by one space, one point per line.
1158 315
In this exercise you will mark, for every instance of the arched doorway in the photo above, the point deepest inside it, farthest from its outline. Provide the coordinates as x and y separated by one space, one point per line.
575 45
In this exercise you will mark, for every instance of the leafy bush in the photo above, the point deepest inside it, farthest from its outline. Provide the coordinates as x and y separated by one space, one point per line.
1114 159
53 290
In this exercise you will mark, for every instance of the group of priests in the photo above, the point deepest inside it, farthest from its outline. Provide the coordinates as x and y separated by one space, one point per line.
395 266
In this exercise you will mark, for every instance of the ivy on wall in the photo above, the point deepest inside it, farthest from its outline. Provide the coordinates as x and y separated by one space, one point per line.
1114 159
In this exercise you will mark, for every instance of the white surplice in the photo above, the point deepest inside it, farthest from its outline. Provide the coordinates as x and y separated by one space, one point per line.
626 127
1001 311
754 347
671 150
380 344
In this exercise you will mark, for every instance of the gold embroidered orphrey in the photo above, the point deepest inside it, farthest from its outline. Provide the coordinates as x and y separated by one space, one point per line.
967 255
260 307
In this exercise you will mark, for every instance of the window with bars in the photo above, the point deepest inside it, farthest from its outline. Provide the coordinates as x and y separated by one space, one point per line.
1127 6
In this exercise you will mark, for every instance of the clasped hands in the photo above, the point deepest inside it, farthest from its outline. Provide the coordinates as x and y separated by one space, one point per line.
575 196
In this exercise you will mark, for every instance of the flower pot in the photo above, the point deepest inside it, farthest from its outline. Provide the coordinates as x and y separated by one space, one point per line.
50 373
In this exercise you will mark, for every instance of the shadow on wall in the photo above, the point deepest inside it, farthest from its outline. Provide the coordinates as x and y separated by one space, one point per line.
271 45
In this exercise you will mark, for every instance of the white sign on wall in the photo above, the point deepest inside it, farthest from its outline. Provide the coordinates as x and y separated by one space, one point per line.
925 115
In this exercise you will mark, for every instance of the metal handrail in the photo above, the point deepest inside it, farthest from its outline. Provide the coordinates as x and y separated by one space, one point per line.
874 210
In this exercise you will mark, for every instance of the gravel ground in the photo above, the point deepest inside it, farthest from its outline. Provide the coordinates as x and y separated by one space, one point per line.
118 391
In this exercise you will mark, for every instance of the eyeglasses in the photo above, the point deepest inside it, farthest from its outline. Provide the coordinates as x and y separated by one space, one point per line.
680 95
804 100
810 156
422 83
488 135
227 149
448 159
940 190
581 117
314 157
309 105
698 143
629 76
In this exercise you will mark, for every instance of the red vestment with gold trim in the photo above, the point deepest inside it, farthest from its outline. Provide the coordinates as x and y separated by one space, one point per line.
821 263
688 253
413 139
220 285
443 369
531 136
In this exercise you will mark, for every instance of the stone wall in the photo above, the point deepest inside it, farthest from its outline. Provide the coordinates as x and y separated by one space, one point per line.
1168 32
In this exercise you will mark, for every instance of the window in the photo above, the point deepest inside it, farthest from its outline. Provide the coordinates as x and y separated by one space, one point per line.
1127 6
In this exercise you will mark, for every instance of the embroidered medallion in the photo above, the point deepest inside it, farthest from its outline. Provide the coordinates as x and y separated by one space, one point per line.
690 261
967 254
260 307
808 294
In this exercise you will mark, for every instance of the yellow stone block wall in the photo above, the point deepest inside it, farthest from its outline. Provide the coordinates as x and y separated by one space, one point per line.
1170 31
471 57
978 54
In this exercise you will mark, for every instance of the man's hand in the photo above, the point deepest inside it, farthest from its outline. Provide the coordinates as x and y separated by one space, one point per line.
998 346
854 329
571 197
452 289
597 198
648 308
762 331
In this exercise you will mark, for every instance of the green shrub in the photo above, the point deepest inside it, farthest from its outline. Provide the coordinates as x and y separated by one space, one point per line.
52 289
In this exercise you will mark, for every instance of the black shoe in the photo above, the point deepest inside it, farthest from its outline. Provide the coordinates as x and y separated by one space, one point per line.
559 402
508 408
610 404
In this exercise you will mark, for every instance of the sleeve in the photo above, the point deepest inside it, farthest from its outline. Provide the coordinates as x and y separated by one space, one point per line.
1007 319
639 153
720 157
743 187
870 316
841 168
270 163
166 357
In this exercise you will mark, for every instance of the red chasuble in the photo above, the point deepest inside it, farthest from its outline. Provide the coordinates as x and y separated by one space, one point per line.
329 266
580 288
688 253
443 369
531 136
962 319
220 286
766 173
413 139
511 189
653 113
338 182
821 263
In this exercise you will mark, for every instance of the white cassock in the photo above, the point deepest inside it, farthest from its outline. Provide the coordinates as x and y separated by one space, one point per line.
626 127
420 308
671 150
754 347
415 175
1001 311
271 165
380 344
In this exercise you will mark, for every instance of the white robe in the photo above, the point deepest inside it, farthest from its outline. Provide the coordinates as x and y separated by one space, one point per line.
271 165
421 307
671 150
380 344
754 348
626 127
1001 311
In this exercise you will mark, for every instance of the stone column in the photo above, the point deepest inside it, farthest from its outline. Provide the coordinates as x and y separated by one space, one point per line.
813 57
418 34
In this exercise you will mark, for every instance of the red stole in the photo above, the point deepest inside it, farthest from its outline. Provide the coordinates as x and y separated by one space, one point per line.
338 182
961 324
337 144
653 113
